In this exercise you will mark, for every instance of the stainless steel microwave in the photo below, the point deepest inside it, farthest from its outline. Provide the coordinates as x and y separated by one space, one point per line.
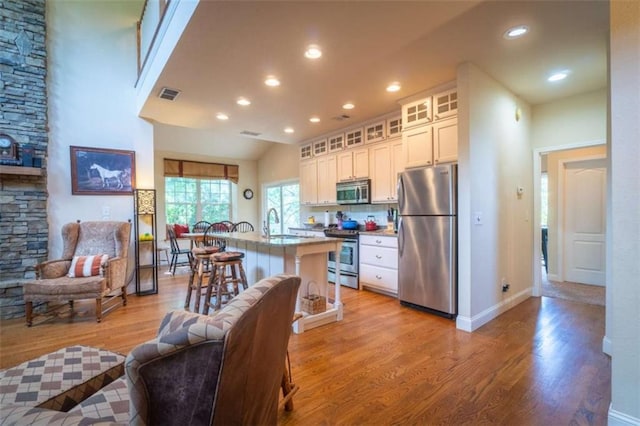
354 192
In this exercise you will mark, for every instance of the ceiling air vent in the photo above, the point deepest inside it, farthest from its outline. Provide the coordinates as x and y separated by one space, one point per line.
168 94
341 117
249 133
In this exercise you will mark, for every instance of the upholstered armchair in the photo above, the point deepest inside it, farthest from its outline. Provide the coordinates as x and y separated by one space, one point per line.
93 266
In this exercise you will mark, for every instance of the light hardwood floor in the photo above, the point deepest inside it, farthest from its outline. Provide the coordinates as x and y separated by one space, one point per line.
538 364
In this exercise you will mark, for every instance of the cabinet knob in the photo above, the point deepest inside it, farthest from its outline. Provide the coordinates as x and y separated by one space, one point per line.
378 277
378 256
378 241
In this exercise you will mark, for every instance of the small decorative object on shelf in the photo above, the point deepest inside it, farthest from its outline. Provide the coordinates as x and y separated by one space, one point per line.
9 151
145 242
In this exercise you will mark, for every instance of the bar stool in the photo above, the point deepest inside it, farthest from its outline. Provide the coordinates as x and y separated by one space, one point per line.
201 257
220 280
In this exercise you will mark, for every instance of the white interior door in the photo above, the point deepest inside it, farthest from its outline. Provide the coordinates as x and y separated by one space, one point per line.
584 221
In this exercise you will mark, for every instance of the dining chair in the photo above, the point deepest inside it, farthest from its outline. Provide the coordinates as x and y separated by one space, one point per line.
243 226
200 226
228 224
176 251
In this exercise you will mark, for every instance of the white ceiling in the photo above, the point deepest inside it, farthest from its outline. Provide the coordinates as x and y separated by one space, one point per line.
229 48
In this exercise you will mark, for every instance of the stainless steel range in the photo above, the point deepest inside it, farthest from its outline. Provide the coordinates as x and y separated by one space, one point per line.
348 259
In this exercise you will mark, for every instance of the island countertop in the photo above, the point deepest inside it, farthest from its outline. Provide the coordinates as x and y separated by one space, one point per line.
276 240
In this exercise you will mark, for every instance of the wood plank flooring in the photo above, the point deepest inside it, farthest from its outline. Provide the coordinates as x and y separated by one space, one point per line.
538 364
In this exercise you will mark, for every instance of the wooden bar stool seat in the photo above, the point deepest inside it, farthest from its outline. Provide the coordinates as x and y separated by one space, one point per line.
201 257
226 269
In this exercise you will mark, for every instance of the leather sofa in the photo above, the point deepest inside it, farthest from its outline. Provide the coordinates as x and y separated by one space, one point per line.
222 369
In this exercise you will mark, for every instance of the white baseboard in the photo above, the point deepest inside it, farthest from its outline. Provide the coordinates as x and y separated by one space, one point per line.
477 321
606 346
616 418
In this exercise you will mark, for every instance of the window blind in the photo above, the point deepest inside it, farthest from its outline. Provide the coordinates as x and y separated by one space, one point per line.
196 169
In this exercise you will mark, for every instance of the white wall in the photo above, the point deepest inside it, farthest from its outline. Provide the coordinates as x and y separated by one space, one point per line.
91 76
279 163
494 159
624 309
578 119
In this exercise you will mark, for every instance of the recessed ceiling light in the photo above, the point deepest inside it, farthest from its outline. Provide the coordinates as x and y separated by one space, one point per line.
348 106
516 32
393 87
243 101
313 51
558 76
222 116
314 120
272 81
288 130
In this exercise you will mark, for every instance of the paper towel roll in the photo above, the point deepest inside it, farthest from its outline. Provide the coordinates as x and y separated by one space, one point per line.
327 219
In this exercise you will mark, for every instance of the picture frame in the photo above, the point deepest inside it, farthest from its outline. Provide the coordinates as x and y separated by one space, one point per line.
101 171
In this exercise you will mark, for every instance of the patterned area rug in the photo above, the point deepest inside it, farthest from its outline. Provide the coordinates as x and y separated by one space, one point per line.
591 294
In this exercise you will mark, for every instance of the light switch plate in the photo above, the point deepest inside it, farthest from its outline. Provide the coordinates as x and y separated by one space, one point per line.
477 218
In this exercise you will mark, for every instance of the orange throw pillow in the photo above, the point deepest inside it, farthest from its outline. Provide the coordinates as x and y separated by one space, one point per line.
87 266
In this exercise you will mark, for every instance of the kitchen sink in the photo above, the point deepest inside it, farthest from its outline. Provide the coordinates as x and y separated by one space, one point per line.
290 236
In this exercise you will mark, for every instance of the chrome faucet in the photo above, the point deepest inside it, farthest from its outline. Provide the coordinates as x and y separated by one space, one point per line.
265 225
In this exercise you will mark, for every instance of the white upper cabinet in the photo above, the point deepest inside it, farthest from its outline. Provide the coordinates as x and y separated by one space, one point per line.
320 147
417 145
354 137
309 182
374 132
417 113
394 126
445 104
327 177
353 164
306 151
385 162
445 141
336 142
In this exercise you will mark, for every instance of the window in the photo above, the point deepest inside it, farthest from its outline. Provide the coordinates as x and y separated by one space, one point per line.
190 200
285 198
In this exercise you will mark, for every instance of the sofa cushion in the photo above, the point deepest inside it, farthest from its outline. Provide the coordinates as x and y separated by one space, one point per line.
81 287
110 403
61 379
87 266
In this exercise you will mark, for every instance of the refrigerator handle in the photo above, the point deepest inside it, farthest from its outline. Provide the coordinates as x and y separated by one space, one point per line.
400 193
400 238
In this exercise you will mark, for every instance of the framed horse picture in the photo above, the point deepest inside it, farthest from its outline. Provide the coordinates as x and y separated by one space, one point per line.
98 171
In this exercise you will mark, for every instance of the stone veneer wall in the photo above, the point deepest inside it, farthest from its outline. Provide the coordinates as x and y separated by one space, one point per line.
24 230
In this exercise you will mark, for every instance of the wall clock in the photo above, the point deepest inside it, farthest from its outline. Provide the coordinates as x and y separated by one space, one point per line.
248 194
8 148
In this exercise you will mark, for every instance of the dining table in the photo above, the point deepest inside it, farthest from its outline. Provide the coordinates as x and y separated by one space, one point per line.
193 237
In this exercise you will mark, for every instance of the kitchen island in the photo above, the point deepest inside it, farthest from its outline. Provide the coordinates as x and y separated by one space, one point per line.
291 254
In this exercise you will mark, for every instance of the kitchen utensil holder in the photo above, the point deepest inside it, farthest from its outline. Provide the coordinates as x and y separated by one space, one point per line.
313 303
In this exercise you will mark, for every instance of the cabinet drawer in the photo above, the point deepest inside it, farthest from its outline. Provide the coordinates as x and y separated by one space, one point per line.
378 240
386 257
379 277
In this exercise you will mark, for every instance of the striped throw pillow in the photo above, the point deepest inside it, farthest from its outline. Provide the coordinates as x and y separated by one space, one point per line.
87 266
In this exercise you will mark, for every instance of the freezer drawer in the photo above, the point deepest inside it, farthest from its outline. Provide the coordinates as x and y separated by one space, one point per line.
427 266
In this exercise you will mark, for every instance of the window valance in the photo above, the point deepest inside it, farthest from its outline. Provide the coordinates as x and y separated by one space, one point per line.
196 169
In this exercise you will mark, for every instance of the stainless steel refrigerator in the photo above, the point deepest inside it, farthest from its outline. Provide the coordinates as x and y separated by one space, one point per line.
427 239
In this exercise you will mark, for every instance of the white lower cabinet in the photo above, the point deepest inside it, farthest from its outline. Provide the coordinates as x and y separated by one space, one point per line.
379 263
